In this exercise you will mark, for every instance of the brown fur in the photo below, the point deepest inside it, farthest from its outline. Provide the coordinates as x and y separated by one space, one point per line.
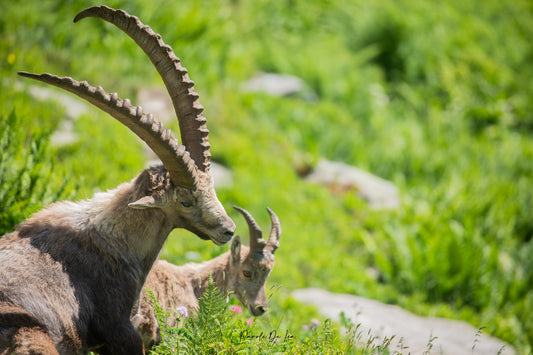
175 286
25 334
78 268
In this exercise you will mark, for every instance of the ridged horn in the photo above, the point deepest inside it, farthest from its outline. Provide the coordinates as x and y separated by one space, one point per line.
257 243
275 232
174 156
194 132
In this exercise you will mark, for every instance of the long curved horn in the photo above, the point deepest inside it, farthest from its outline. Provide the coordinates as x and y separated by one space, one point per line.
275 232
257 243
192 123
174 156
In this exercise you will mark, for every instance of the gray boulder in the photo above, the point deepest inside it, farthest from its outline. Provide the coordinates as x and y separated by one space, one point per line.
412 333
378 192
279 85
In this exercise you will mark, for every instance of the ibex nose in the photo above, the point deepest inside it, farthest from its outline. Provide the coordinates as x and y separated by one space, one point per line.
260 310
227 232
230 227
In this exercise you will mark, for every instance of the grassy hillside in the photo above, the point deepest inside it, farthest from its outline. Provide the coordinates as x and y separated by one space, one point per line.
436 97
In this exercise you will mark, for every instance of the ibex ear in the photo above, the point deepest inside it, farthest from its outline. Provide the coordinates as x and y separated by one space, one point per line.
144 202
236 249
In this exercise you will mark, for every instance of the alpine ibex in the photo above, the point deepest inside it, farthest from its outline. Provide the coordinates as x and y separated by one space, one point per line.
74 270
242 271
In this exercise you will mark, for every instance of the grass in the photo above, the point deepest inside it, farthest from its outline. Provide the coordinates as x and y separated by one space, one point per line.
434 97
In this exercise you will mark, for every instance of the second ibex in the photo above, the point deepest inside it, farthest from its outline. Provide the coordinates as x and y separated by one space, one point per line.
71 273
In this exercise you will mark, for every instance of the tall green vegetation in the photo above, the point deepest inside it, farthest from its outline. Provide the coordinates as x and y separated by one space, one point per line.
435 97
216 328
202 333
27 180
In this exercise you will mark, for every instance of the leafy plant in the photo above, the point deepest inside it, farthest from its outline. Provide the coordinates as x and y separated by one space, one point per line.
27 181
215 329
200 333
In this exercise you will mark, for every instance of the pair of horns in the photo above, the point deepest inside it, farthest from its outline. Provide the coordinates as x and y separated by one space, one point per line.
183 161
257 243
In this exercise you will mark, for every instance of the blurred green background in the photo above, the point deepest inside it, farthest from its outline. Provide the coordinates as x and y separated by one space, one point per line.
436 97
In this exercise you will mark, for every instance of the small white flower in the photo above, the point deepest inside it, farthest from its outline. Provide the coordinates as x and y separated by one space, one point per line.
182 310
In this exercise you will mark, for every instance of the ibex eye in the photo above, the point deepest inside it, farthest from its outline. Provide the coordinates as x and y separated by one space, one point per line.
186 203
246 274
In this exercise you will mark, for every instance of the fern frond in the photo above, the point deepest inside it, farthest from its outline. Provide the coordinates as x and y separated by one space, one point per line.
204 330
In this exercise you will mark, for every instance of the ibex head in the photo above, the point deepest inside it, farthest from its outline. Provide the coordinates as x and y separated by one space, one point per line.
252 266
186 195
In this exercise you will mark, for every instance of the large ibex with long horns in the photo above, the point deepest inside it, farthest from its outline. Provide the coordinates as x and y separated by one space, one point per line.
71 273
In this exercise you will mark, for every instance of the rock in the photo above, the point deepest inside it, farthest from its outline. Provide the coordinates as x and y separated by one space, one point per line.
222 176
378 192
278 85
157 102
74 108
411 333
64 134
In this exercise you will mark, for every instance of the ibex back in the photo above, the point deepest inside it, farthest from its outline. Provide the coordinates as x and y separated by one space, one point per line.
75 269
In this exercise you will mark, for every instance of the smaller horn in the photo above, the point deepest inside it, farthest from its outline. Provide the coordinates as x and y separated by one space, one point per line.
256 235
275 232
